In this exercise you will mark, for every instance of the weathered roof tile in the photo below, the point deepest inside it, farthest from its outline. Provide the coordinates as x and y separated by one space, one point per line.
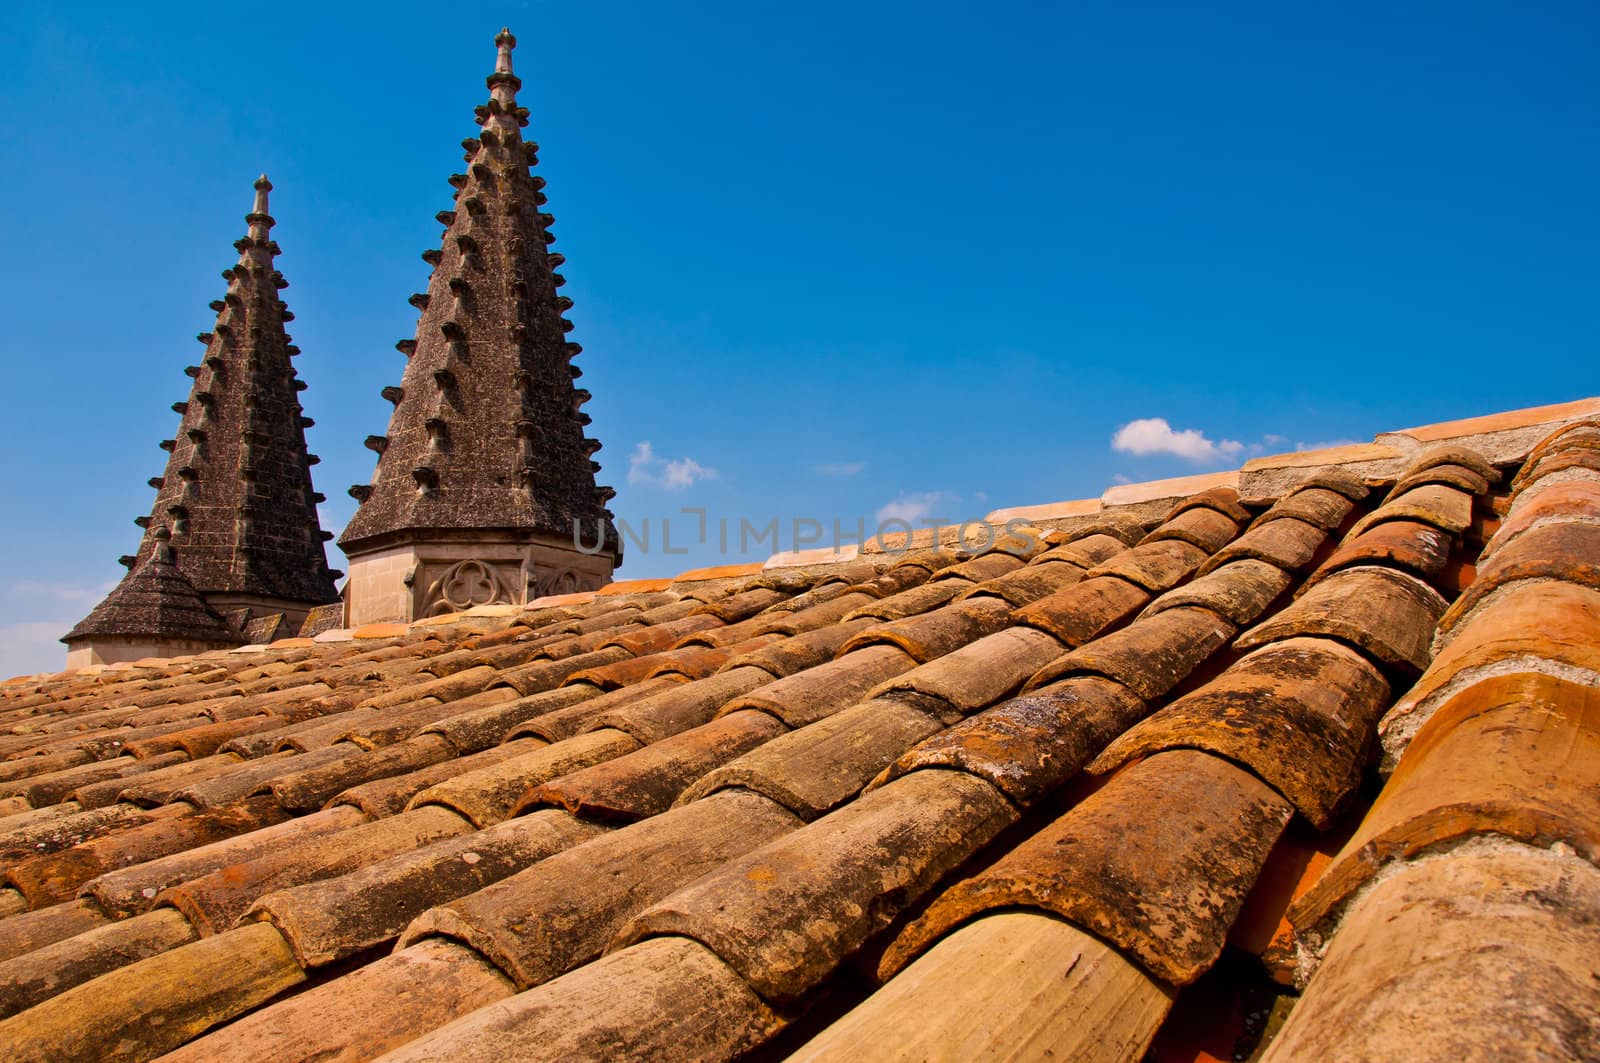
1298 713
1158 862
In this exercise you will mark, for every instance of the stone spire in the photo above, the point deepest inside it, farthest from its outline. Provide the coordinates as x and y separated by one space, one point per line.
154 611
236 498
486 443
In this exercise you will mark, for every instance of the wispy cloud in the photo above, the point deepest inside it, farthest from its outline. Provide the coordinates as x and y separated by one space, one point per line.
59 593
671 474
32 646
841 468
1153 435
912 506
1327 444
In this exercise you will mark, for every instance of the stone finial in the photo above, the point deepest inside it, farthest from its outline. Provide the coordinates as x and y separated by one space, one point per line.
257 246
505 42
503 84
164 554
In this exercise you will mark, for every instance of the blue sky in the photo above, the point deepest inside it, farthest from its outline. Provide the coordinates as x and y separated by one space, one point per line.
828 260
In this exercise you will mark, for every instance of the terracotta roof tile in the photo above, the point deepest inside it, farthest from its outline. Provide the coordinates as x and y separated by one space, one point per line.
162 1001
552 724
1151 656
1030 746
977 674
821 766
1516 756
138 888
935 633
1443 507
911 601
1200 526
1048 989
1421 549
646 782
1569 552
1386 614
311 788
1511 434
1287 542
811 694
1084 610
786 914
1460 477
563 911
1130 864
1566 503
1087 551
27 932
214 902
1480 951
486 795
391 794
1239 591
696 575
676 977
337 917
1548 628
1298 713
1155 566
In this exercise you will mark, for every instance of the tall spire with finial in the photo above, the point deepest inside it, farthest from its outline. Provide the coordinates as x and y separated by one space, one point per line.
236 499
487 432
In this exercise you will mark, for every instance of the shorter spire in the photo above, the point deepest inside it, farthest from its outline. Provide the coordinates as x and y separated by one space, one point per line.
155 601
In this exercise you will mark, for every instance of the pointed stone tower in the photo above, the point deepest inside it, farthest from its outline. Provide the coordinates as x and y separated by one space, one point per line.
235 507
154 612
484 490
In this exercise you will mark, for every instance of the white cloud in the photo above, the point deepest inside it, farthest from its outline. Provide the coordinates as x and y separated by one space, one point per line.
913 506
1121 478
674 474
841 468
1153 435
32 646
1327 444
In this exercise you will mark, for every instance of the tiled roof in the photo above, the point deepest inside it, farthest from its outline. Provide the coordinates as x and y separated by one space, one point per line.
1300 760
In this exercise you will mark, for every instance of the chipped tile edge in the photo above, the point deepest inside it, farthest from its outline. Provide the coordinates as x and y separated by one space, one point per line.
821 555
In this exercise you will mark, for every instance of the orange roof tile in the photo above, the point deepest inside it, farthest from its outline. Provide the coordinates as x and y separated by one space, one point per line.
633 586
1154 490
576 598
718 572
1313 459
1081 507
1530 417
379 631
